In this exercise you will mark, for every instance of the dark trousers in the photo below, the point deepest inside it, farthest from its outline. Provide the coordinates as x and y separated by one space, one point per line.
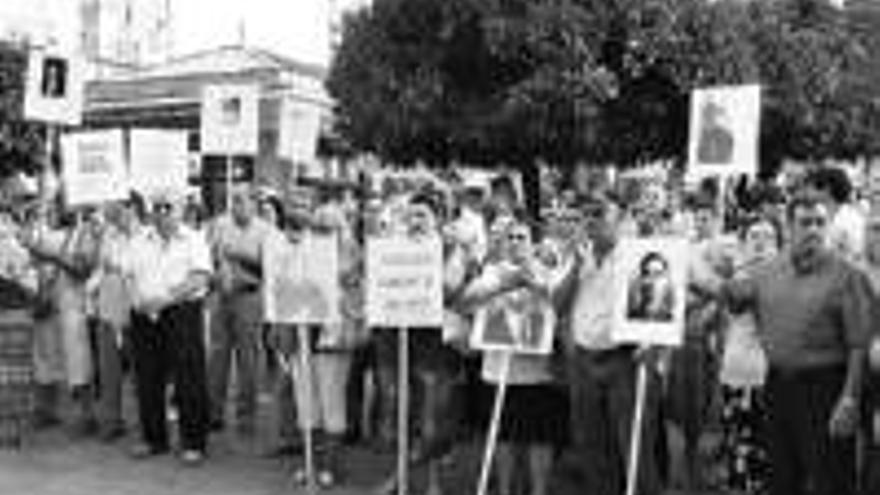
171 348
803 456
363 363
603 393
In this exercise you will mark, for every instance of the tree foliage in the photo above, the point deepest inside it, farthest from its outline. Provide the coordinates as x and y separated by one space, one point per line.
604 81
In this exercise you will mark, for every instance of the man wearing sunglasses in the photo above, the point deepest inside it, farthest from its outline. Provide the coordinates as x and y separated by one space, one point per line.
169 268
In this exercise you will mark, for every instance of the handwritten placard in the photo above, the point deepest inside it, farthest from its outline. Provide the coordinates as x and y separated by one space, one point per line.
94 169
405 282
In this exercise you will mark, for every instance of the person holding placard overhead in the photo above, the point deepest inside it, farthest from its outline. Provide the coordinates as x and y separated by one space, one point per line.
237 241
434 362
533 419
603 372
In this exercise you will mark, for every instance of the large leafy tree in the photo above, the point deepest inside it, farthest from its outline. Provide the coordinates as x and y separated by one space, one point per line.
605 81
21 143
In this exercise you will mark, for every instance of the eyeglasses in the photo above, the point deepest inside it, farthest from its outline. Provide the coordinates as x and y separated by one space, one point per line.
517 237
162 207
812 222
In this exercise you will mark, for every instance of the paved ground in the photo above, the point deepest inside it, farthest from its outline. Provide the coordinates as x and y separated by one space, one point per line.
56 463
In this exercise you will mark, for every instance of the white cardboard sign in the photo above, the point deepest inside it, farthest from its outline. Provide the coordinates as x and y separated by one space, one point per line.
93 169
230 119
724 131
404 282
158 160
650 283
302 281
54 88
299 126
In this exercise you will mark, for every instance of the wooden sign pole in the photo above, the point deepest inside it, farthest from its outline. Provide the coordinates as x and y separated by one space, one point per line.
308 407
635 444
403 413
494 425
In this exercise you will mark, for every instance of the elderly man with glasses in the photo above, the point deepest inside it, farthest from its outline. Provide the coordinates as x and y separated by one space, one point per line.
169 268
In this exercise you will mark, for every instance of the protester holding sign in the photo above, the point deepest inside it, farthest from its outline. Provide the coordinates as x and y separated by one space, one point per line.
603 372
533 420
435 364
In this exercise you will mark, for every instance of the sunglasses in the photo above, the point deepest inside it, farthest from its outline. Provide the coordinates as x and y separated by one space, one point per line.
517 237
812 222
163 207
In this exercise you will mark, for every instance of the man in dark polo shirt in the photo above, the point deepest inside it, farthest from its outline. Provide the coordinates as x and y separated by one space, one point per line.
814 322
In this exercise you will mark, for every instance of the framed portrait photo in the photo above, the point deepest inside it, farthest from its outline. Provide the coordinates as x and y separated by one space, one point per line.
650 291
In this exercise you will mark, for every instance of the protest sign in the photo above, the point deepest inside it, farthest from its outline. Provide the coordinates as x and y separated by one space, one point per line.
302 281
54 88
404 282
724 131
300 123
158 160
525 328
650 277
230 120
93 169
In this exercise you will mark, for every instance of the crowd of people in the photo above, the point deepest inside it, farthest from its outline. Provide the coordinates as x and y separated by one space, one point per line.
779 349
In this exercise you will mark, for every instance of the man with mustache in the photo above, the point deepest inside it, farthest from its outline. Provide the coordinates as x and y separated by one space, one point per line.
814 322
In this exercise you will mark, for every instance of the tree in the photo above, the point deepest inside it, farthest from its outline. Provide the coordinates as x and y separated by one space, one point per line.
606 81
21 143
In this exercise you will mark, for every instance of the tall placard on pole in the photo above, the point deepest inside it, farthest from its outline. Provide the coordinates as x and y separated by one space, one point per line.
724 131
94 169
230 120
298 129
54 87
158 160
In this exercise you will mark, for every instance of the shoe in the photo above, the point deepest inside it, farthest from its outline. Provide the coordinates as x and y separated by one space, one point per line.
192 457
217 425
145 451
326 479
111 434
85 427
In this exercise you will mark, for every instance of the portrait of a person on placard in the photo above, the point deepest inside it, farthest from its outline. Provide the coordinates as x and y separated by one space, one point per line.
651 293
716 136
54 81
230 109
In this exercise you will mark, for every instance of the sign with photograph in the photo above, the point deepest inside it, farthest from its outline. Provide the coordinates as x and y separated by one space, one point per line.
404 282
519 328
302 281
158 160
93 169
54 88
724 131
230 120
299 126
650 276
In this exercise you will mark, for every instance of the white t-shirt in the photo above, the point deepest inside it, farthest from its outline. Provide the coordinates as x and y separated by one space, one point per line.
846 234
155 265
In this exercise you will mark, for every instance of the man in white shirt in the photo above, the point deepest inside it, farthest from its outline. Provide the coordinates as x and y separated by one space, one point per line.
603 372
237 241
169 269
